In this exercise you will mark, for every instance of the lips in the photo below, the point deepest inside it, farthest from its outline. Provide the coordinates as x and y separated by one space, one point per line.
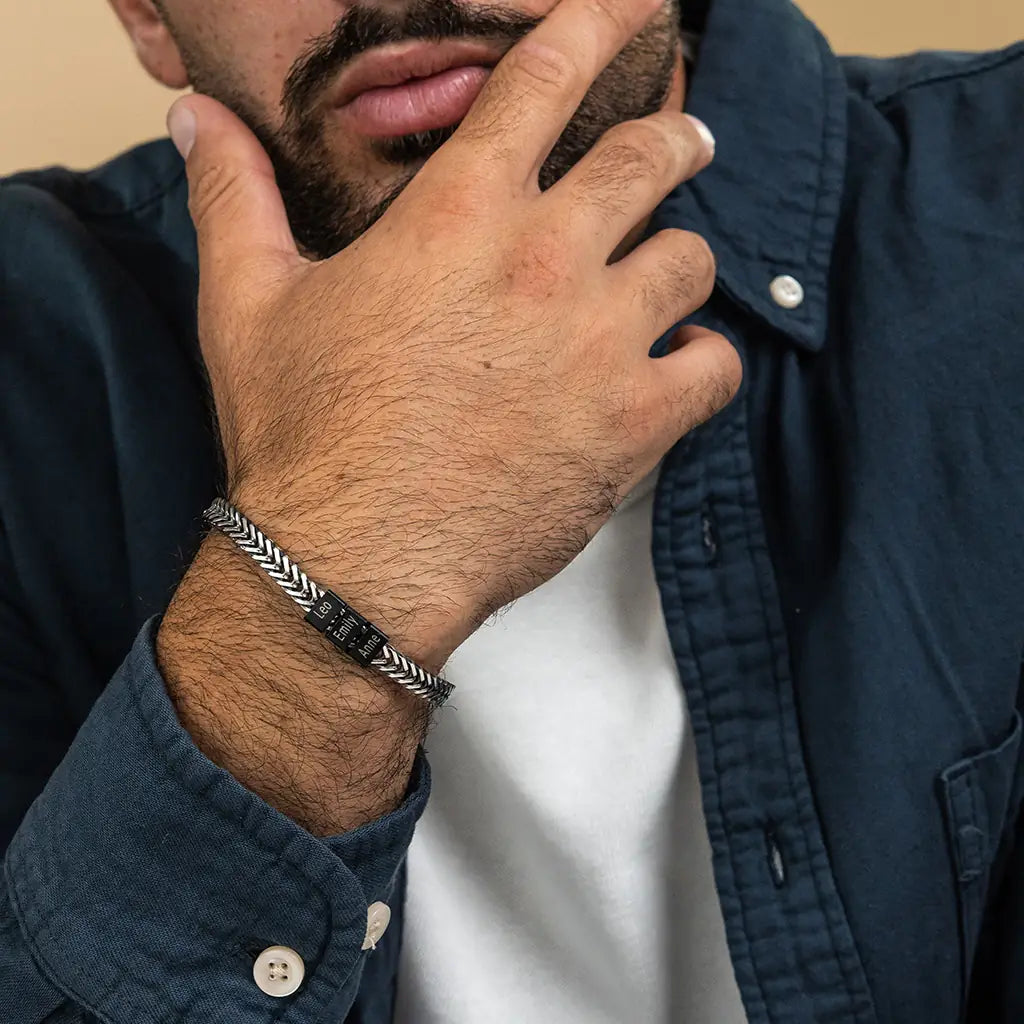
414 86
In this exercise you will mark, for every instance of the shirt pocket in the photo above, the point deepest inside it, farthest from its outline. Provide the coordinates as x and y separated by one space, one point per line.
978 796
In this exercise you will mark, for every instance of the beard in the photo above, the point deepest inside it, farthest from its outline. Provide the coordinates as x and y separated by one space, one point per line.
328 208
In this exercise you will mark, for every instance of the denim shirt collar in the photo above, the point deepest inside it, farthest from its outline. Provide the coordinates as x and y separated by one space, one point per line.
772 91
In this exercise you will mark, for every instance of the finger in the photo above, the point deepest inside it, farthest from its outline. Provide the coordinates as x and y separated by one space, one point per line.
699 377
628 173
241 225
535 89
666 278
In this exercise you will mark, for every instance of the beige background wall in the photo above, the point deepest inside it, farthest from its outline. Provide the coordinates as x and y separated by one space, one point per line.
70 91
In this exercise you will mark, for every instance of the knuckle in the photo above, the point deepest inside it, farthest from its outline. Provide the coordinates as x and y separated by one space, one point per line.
690 263
541 66
616 14
715 396
722 385
605 180
699 399
651 136
684 277
631 153
730 373
694 249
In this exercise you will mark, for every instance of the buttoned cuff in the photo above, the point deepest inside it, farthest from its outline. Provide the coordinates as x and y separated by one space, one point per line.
147 880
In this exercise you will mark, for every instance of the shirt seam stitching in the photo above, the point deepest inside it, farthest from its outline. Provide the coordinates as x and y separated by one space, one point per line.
40 961
816 324
87 210
744 916
989 62
152 199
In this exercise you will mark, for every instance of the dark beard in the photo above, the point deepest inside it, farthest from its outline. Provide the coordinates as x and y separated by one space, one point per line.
328 213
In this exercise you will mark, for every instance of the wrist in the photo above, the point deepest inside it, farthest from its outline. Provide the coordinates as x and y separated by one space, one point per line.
357 553
256 686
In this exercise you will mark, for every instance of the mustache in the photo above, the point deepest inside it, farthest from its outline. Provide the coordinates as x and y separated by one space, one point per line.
363 27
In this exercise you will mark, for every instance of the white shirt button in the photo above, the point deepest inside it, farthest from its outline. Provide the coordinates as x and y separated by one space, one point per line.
787 292
278 971
378 917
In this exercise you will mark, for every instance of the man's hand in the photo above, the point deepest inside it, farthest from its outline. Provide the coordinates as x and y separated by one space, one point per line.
439 418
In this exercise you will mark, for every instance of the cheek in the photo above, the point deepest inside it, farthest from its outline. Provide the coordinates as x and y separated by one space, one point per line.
254 43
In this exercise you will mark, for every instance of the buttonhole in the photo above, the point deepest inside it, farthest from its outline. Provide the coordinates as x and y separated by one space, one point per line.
709 533
776 862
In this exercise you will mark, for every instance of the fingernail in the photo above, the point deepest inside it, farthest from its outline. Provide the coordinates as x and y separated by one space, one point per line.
181 124
705 133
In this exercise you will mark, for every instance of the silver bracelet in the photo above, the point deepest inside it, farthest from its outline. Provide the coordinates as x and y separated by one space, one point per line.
341 624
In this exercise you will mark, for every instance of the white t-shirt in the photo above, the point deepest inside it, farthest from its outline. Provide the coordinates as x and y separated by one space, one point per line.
561 871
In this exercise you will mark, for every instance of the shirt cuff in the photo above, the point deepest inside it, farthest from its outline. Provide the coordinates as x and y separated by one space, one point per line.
147 880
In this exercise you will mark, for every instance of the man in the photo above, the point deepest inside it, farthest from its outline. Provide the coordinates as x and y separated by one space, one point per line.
459 331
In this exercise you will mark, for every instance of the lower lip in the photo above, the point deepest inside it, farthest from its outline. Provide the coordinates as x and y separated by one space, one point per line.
417 105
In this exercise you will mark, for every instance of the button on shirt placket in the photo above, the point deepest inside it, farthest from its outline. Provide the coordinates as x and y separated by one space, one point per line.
727 633
378 917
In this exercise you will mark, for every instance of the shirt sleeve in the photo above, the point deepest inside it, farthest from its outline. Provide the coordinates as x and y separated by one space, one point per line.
144 881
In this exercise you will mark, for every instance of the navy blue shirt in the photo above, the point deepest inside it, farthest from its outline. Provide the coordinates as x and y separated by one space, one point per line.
839 555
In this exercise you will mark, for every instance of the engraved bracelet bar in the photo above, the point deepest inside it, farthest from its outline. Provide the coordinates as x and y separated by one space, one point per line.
341 624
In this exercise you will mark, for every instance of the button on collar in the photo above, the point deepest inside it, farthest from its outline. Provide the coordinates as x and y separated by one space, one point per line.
787 292
278 971
378 917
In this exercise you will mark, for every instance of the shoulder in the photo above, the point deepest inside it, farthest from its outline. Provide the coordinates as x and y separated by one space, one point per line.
893 80
961 110
943 130
121 189
51 215
68 238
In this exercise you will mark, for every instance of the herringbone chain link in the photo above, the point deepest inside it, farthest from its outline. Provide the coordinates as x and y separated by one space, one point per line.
305 593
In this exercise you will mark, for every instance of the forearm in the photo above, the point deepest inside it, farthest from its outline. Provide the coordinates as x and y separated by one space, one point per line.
325 741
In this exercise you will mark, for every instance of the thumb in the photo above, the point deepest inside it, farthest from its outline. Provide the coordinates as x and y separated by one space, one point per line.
236 207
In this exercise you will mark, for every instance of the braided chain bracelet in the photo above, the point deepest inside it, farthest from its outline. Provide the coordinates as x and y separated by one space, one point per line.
360 639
